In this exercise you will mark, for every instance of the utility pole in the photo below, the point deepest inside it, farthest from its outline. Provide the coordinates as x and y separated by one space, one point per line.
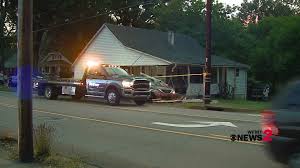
25 51
207 73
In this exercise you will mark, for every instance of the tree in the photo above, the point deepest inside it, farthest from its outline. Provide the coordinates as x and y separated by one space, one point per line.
259 9
276 55
188 17
8 21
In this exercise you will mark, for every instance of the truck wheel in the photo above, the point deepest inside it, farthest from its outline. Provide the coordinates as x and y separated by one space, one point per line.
50 93
140 102
113 97
78 95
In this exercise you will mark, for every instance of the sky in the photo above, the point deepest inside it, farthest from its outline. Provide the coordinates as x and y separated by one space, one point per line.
231 2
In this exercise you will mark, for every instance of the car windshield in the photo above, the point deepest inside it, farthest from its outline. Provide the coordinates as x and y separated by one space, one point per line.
112 71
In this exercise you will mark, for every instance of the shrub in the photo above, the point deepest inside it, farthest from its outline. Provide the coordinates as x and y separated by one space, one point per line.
43 136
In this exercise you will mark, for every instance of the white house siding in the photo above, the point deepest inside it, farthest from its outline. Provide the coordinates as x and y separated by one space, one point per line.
239 82
230 76
107 49
197 89
241 85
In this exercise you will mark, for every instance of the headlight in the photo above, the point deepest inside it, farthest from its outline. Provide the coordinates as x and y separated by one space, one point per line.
35 84
127 84
173 91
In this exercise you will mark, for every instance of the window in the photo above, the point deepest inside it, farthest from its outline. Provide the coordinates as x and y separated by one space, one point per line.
116 71
196 78
95 71
237 72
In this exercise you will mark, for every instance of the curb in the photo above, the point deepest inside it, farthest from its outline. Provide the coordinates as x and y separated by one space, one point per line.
223 109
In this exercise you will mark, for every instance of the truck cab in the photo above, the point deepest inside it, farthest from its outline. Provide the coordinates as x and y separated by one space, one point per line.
114 83
108 82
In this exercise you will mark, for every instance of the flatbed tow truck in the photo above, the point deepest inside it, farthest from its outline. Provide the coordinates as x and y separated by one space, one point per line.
107 82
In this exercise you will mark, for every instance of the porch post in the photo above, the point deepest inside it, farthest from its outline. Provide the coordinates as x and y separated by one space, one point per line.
234 84
189 76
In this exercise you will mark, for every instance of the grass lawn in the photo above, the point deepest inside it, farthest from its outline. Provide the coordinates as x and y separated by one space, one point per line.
231 105
4 88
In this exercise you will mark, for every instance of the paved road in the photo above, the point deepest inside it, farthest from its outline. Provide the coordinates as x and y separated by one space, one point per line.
126 137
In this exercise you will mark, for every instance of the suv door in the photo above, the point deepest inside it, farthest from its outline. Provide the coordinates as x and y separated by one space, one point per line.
96 82
287 112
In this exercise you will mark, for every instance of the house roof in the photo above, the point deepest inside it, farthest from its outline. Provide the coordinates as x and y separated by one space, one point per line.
185 50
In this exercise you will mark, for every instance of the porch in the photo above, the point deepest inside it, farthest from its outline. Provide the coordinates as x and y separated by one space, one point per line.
227 82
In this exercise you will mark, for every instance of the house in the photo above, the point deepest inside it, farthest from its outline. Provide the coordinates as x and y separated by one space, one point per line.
55 63
175 58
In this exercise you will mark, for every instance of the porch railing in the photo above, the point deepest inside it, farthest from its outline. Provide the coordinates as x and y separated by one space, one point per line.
226 91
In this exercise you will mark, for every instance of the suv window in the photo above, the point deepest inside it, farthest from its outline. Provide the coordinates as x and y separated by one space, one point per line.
116 71
289 98
96 71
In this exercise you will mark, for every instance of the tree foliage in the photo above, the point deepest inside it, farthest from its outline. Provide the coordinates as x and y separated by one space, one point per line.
8 21
275 56
68 25
267 8
270 47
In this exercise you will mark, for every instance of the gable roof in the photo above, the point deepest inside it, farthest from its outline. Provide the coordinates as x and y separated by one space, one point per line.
67 43
185 50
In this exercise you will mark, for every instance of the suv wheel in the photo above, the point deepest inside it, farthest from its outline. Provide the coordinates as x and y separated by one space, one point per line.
50 93
113 97
140 102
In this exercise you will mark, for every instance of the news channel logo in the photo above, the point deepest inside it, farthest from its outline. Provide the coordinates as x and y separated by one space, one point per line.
253 136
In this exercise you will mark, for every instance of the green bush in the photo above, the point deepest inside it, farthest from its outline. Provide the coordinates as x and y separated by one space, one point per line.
43 136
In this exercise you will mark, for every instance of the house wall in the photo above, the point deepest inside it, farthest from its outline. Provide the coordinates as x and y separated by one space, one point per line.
241 85
197 90
107 49
154 71
238 82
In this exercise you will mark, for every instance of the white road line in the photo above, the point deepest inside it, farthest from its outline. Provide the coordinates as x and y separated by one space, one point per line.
199 125
130 125
255 115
